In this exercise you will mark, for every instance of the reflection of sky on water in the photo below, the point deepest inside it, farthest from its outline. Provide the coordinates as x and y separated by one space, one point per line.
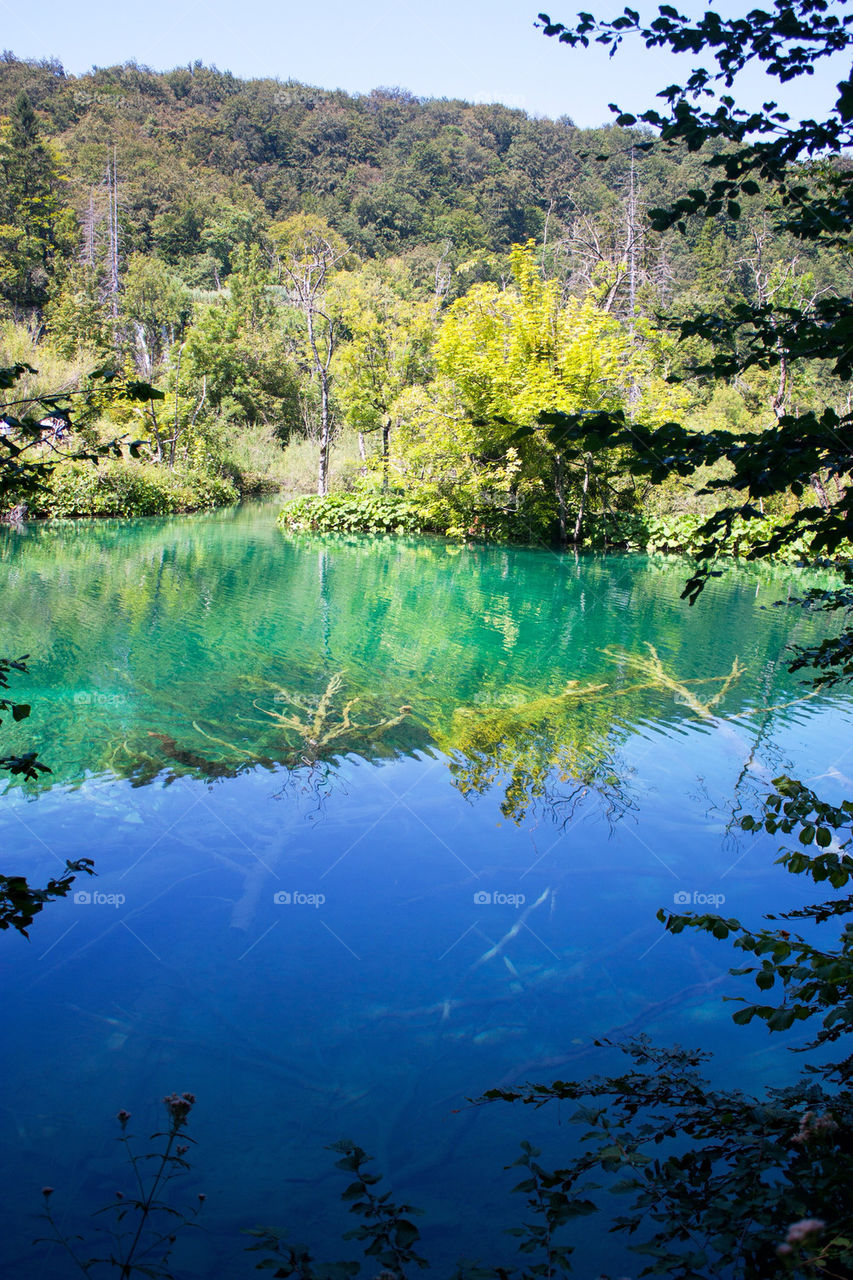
387 989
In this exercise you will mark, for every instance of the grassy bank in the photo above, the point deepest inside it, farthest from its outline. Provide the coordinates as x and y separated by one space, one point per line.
128 488
256 464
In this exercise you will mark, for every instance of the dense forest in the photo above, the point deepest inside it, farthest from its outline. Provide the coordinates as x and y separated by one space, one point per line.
368 291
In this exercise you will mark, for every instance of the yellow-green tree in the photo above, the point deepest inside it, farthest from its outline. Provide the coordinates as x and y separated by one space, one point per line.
505 357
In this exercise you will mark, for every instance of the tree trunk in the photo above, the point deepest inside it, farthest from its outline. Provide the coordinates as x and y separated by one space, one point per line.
113 285
579 521
325 435
820 492
173 443
158 456
561 499
782 390
386 431
321 367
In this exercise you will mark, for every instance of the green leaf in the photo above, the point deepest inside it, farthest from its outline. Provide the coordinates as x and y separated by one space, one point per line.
406 1233
781 1019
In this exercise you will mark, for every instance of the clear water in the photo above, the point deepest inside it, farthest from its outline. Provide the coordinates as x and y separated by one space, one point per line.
389 733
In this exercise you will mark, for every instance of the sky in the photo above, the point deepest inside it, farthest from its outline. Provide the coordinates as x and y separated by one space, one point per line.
480 50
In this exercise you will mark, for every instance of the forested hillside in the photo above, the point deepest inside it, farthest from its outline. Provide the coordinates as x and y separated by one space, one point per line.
291 264
206 161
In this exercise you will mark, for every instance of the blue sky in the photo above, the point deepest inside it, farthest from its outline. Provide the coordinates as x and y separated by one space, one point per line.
482 50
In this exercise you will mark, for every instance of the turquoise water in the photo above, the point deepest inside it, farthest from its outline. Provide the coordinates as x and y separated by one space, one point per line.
378 824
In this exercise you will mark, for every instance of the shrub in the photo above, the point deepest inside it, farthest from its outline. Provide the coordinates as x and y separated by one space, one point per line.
679 534
352 513
422 511
130 489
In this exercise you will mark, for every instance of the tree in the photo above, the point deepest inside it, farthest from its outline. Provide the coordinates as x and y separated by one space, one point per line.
505 357
155 307
516 354
387 350
80 323
33 224
231 367
308 254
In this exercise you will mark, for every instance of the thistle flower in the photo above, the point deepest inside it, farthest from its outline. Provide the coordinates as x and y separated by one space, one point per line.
179 1107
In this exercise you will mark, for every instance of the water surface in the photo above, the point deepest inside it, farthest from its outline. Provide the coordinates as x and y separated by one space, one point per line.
378 824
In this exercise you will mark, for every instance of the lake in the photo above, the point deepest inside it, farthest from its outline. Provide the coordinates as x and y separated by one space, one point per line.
378 824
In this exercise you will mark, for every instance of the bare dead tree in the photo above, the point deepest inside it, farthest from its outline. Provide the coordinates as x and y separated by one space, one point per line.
781 285
113 274
605 256
443 277
633 236
310 255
